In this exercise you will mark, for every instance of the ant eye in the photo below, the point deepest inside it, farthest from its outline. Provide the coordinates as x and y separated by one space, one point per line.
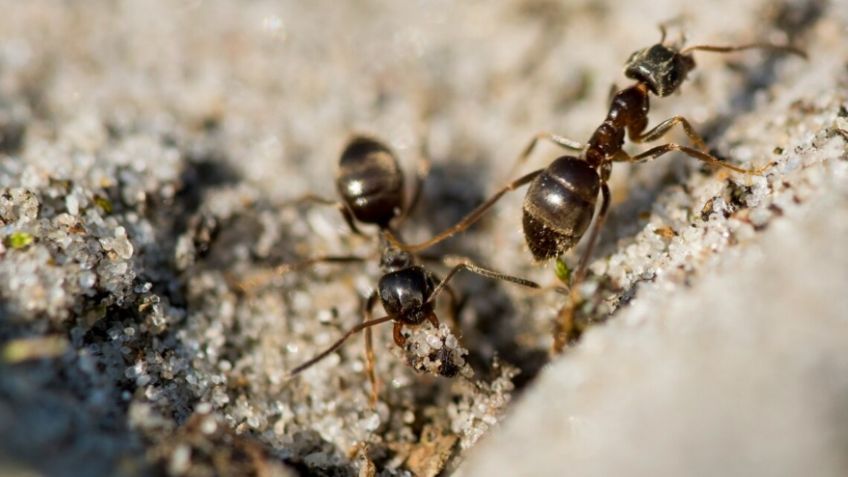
673 77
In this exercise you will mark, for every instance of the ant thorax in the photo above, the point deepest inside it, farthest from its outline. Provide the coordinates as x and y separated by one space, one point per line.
393 259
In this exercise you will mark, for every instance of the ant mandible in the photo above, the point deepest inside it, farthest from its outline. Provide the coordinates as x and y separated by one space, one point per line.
561 199
371 185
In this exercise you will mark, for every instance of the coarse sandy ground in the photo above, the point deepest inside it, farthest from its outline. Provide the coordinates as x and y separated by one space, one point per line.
147 153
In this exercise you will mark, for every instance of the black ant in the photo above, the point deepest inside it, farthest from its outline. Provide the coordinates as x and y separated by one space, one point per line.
371 185
561 199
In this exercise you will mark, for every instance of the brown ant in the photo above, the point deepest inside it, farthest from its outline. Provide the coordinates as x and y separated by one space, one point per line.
371 185
561 199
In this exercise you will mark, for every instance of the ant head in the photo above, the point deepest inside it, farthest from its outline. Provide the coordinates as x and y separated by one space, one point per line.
393 259
405 294
370 181
662 68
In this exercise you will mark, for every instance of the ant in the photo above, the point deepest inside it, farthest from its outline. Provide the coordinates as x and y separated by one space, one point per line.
371 185
561 199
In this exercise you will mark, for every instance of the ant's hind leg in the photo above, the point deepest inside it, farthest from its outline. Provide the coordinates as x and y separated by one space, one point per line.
370 361
565 330
658 151
470 219
560 141
662 128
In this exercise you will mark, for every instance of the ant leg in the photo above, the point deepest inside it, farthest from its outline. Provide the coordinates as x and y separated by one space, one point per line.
693 153
469 219
367 306
338 343
315 199
561 141
663 127
464 263
421 172
611 93
593 236
749 46
259 279
400 340
348 218
454 304
310 199
565 329
453 308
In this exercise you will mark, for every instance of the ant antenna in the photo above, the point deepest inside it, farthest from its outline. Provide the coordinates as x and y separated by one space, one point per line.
261 278
749 46
466 264
663 26
338 343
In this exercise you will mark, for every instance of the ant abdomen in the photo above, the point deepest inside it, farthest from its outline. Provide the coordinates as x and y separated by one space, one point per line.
405 294
370 181
558 207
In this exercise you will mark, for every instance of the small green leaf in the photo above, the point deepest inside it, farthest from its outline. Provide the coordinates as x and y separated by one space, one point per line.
18 240
562 271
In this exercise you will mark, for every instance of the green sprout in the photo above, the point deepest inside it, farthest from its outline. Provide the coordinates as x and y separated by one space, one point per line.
18 240
562 271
